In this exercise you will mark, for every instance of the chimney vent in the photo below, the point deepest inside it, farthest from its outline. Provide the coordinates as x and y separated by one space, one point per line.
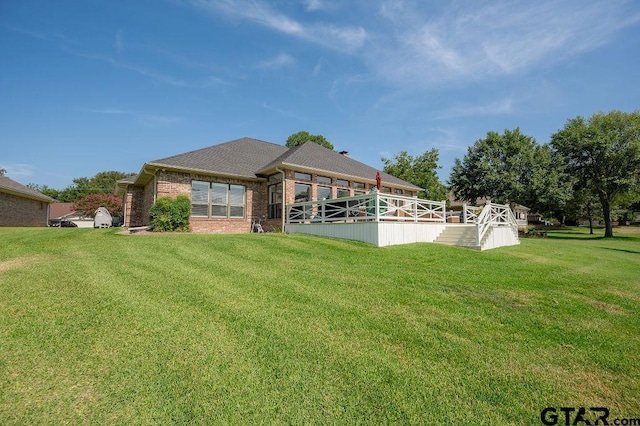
345 153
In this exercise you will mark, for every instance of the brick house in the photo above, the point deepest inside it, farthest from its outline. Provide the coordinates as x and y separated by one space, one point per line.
21 205
233 183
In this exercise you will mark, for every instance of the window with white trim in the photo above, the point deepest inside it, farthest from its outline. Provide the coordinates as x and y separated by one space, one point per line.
217 200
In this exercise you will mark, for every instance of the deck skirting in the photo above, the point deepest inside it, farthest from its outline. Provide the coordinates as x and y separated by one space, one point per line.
379 234
382 234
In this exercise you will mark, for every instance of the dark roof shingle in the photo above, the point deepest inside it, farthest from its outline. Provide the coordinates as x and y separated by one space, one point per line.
241 157
250 158
11 186
313 156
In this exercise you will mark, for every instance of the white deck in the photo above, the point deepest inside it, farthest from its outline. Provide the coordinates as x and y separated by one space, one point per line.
386 220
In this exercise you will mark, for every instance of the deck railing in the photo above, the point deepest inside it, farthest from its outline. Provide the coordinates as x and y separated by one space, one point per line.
369 207
495 215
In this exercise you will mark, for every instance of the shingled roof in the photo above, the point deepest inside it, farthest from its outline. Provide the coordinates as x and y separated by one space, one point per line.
241 157
253 159
12 187
312 156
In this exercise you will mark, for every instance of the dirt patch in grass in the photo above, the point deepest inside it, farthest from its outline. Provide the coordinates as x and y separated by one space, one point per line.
19 262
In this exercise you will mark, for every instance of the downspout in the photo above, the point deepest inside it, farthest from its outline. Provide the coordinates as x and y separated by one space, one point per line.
155 187
284 198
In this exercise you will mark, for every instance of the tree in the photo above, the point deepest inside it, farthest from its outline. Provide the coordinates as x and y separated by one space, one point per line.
101 183
511 167
420 171
44 189
302 137
88 205
3 172
603 153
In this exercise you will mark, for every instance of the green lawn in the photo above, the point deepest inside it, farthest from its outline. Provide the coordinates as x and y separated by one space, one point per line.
97 327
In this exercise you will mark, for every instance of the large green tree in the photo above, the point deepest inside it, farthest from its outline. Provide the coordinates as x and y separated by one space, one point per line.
3 172
303 136
420 171
603 153
511 167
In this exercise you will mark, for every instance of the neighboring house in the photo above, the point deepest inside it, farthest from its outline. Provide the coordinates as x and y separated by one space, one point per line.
65 211
21 205
61 211
234 183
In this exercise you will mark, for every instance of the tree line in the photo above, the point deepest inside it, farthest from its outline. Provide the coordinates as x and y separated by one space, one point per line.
589 169
87 194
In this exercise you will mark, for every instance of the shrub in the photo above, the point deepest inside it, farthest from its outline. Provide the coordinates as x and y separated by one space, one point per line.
168 214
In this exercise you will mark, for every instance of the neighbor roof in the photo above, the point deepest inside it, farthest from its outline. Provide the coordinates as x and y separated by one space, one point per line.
252 159
12 187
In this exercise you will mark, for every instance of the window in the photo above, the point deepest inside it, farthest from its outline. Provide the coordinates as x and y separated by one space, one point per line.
275 201
218 200
397 191
303 192
324 193
324 179
302 176
358 185
342 193
199 198
386 190
342 182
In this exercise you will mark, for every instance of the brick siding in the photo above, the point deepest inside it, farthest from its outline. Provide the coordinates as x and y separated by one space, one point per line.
20 211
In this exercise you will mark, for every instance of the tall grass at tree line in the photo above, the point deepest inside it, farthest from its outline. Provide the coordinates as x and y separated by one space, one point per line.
97 327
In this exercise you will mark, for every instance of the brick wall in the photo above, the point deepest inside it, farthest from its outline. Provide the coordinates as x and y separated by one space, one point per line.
133 216
172 184
20 211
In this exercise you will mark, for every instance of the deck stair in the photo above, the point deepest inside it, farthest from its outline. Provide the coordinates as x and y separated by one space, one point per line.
459 235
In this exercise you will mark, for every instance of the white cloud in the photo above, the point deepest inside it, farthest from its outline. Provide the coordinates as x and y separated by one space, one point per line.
474 40
280 61
328 35
314 4
17 171
503 106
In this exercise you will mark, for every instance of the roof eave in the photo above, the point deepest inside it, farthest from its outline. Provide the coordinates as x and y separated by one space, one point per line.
43 198
313 170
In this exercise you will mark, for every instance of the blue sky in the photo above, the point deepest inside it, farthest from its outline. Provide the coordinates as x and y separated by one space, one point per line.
94 85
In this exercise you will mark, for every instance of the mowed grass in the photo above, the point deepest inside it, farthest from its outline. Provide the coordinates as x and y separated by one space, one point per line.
97 327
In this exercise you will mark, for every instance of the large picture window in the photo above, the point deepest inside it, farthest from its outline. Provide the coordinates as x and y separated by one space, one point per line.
217 200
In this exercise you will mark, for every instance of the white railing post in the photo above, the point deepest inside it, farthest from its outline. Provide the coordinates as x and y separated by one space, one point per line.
464 214
444 211
377 206
415 209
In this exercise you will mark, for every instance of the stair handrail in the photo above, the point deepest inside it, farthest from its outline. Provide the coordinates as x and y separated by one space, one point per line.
483 223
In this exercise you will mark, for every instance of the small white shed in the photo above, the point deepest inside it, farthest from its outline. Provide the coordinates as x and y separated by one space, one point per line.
102 218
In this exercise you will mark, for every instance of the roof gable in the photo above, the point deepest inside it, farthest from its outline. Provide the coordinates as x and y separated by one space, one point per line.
241 157
10 186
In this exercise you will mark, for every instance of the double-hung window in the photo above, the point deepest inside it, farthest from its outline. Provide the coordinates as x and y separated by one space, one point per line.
217 200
